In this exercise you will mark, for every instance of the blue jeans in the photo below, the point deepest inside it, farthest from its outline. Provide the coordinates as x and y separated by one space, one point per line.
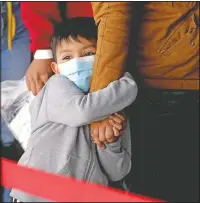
14 64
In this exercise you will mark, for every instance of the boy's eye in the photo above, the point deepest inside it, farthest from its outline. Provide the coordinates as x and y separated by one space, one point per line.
89 54
67 58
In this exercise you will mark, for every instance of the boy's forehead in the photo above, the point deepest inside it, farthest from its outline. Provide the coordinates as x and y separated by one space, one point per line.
70 43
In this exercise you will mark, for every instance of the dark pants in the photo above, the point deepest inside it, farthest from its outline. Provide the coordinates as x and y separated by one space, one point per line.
165 145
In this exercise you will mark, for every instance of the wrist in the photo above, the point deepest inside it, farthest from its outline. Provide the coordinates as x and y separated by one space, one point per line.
43 54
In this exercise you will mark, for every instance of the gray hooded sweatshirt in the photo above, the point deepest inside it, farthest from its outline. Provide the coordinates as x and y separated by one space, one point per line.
61 143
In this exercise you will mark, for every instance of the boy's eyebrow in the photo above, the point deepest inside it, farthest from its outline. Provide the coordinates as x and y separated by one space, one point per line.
91 45
85 47
65 50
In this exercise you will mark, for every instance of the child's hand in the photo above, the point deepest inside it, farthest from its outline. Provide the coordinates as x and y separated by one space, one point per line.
118 122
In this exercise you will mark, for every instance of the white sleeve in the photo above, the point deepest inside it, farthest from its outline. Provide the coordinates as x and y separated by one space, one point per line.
43 54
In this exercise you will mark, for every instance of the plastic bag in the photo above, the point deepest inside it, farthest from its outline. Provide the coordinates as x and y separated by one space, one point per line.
15 102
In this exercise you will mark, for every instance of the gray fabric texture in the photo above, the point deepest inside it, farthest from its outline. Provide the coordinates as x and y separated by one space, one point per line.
61 143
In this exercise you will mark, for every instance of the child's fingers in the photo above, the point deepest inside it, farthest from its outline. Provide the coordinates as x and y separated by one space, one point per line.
116 119
116 125
124 122
120 116
116 132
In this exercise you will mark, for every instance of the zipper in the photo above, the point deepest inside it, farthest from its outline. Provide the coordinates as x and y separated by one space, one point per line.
89 166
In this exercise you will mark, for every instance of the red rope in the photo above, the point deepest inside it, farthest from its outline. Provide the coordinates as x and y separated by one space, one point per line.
59 188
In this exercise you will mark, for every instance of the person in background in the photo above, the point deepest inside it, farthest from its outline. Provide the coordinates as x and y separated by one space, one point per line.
15 59
165 145
164 44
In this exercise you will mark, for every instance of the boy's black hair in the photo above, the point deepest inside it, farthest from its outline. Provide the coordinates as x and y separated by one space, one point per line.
74 27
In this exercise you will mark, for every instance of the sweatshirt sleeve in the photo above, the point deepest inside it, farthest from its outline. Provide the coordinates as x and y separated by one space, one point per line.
38 17
67 104
115 159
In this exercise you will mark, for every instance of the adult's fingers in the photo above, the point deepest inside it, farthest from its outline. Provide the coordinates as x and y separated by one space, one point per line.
39 85
99 143
111 140
109 133
28 83
116 132
95 136
32 86
102 131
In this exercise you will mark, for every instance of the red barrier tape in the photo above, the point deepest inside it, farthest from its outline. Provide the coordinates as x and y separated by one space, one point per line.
61 189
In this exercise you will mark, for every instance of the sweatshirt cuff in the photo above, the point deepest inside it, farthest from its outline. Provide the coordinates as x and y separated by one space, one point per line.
43 54
115 144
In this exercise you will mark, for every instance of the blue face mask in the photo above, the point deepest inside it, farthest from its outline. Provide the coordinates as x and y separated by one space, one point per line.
79 71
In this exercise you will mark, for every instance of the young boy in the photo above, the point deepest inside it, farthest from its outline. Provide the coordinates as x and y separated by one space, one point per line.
63 109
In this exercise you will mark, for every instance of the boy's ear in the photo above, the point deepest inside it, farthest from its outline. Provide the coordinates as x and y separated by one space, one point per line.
55 68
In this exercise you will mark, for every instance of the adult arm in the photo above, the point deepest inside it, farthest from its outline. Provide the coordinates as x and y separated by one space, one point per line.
67 104
38 17
113 20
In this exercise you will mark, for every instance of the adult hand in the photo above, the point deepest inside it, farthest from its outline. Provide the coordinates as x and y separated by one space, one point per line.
37 74
119 123
101 132
108 130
